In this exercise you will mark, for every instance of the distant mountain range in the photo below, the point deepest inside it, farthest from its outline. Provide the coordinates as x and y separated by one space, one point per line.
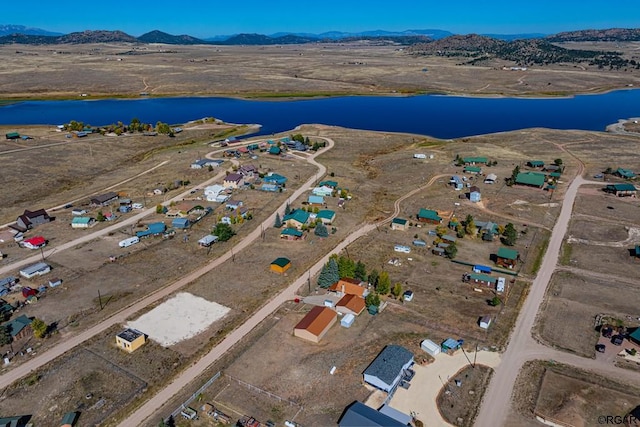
22 35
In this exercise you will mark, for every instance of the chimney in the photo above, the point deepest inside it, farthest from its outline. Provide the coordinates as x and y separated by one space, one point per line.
343 289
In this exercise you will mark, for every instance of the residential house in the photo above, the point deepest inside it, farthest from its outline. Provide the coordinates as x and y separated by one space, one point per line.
208 240
6 284
348 286
17 421
216 193
507 257
487 230
491 178
535 163
456 182
30 219
621 190
233 204
553 168
635 336
34 270
12 135
274 178
474 194
296 218
449 238
351 304
475 170
35 242
429 216
330 184
153 229
326 216
280 265
104 199
399 224
82 222
130 340
482 279
233 180
315 200
315 324
181 223
475 160
322 191
360 415
291 234
274 150
388 368
248 171
625 173
531 179
205 163
20 327
273 188
484 322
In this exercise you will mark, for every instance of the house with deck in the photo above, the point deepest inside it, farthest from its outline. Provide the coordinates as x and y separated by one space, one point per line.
104 199
388 368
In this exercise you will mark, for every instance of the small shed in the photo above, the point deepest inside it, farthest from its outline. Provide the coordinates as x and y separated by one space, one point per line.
474 194
54 282
347 320
481 269
506 257
208 240
130 340
399 224
451 345
280 265
484 322
430 347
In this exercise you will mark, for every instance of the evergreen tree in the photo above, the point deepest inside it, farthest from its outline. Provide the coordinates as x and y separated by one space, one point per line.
5 335
397 290
372 300
223 231
333 268
100 216
287 209
278 222
360 271
39 328
384 284
373 278
346 267
470 226
460 231
324 278
451 251
321 230
510 235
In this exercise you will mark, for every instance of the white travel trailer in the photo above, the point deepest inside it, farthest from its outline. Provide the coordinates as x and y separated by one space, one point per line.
128 242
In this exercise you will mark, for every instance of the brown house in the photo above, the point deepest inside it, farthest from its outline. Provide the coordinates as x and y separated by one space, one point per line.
315 324
30 219
351 304
348 286
20 327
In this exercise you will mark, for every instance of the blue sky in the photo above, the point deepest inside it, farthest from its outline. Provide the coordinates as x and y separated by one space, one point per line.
210 17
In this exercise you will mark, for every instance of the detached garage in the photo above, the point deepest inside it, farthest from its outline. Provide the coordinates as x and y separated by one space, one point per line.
430 347
315 324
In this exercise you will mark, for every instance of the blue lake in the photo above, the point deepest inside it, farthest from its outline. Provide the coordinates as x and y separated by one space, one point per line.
438 116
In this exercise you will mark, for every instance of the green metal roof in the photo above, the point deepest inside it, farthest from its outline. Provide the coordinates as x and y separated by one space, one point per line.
291 232
332 184
637 250
555 174
625 173
81 220
281 262
70 418
475 160
535 163
12 135
507 253
482 278
635 334
531 178
429 214
297 215
621 187
274 150
326 214
400 221
18 324
475 169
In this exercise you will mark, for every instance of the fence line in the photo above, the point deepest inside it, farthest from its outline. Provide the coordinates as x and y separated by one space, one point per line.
196 394
254 388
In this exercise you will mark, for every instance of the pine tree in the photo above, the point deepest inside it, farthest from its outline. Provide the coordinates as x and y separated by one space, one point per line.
278 222
346 267
360 271
373 278
510 235
333 268
321 230
287 209
384 284
470 226
396 290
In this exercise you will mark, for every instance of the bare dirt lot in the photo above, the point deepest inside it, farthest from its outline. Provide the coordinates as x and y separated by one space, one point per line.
568 395
461 396
581 298
288 70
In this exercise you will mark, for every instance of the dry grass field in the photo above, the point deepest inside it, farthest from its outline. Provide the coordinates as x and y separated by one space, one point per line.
288 70
569 395
459 404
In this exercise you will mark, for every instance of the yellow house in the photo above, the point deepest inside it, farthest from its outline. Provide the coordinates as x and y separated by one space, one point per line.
130 340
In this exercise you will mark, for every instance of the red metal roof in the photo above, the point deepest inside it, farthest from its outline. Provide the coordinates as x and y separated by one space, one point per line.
36 241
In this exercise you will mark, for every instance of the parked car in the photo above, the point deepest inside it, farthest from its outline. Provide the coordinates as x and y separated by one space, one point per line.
600 348
617 340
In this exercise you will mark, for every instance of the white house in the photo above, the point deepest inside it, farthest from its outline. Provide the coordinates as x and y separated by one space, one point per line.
485 321
35 270
430 347
419 156
323 191
214 193
208 240
387 369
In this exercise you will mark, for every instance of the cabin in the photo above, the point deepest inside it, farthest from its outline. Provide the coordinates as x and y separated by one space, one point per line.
19 328
274 178
535 163
507 257
621 190
456 182
315 200
315 324
291 234
82 222
531 179
12 135
130 340
280 265
322 191
429 216
475 170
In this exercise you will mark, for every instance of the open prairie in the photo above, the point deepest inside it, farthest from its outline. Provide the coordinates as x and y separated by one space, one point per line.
105 70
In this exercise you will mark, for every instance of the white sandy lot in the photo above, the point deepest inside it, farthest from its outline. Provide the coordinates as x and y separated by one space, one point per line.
179 318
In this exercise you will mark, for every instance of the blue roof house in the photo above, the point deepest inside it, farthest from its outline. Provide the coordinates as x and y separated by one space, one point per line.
386 371
315 200
274 178
181 223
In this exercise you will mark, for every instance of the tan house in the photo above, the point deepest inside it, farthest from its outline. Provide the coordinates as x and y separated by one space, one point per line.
130 340
233 180
351 304
348 286
399 224
315 324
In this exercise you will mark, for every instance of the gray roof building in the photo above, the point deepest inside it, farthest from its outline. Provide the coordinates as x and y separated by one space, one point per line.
360 415
387 368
